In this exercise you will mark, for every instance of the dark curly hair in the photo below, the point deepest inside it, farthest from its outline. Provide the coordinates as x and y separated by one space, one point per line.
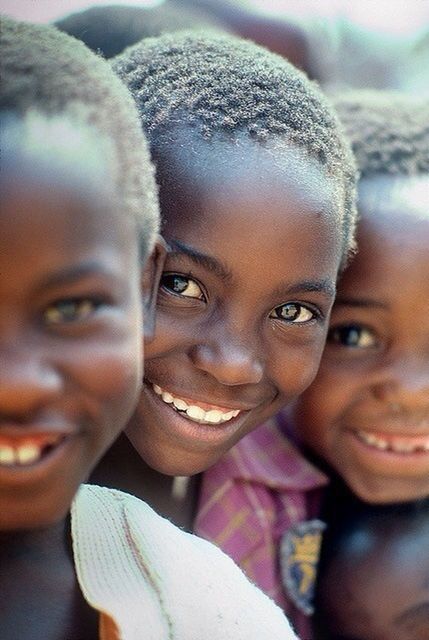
110 29
219 85
53 74
389 132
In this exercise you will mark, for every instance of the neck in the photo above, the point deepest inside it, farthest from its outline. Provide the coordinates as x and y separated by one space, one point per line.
36 544
122 468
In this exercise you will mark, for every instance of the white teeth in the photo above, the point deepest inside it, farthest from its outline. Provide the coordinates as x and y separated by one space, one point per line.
28 453
397 445
196 413
212 416
180 404
167 397
215 416
7 455
23 455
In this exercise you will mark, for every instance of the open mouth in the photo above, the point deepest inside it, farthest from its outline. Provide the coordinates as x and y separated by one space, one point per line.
404 445
25 451
212 416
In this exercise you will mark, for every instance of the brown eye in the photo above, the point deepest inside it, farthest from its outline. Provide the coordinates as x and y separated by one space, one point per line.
70 310
352 335
293 312
182 286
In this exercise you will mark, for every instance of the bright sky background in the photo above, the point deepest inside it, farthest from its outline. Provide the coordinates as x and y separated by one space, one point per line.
398 16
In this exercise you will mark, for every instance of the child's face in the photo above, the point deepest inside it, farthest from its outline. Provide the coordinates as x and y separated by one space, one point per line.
367 412
70 335
378 590
244 302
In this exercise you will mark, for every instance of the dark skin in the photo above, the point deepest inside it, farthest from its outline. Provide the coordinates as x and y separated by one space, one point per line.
374 580
42 558
241 322
366 415
71 366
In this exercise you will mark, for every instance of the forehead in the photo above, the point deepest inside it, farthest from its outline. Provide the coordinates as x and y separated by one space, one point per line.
393 236
244 183
53 215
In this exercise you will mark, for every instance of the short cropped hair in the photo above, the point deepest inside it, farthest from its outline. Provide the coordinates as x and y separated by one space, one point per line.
389 132
218 84
108 30
49 72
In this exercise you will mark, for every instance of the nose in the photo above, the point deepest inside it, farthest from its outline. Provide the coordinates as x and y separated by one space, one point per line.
404 381
231 362
27 383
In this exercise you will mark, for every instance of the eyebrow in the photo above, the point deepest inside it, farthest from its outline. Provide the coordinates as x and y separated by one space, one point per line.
414 615
201 259
74 273
362 303
325 286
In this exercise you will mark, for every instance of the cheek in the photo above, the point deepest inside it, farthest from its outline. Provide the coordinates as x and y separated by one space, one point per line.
110 376
170 334
296 369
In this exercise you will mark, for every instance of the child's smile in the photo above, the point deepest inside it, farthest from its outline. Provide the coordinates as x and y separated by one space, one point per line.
70 334
244 301
372 390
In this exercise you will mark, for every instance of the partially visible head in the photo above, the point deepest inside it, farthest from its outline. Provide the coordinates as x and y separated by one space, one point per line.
367 413
374 575
77 223
256 191
112 28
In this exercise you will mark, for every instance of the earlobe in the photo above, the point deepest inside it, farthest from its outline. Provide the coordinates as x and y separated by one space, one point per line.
151 276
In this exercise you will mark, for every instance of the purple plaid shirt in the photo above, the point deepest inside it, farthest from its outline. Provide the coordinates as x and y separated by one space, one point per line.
255 493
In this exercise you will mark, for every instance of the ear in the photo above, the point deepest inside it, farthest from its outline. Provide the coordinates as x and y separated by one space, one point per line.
150 278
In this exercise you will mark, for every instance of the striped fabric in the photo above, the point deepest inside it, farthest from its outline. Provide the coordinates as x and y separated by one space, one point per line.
251 497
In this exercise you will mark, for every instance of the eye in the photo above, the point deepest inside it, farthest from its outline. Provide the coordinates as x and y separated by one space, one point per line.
182 286
352 335
293 312
70 310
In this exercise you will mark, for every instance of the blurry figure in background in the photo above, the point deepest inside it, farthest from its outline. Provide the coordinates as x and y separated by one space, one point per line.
365 418
110 29
374 572
333 49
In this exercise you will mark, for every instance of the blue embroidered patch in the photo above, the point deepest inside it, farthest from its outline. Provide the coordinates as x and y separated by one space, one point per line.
299 556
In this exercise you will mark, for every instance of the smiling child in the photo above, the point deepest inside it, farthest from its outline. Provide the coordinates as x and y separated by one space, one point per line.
78 221
256 190
367 413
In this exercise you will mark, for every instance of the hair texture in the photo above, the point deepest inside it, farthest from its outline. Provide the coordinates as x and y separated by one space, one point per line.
49 72
110 29
389 132
220 85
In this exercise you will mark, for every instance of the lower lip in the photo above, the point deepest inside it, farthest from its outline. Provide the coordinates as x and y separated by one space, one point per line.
190 432
381 460
49 464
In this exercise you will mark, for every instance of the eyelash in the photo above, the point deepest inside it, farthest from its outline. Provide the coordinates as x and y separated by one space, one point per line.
185 279
316 314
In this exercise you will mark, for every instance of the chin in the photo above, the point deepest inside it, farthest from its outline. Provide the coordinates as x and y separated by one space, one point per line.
387 491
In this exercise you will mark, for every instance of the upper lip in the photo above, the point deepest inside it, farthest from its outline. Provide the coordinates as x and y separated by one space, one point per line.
21 431
400 430
215 401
